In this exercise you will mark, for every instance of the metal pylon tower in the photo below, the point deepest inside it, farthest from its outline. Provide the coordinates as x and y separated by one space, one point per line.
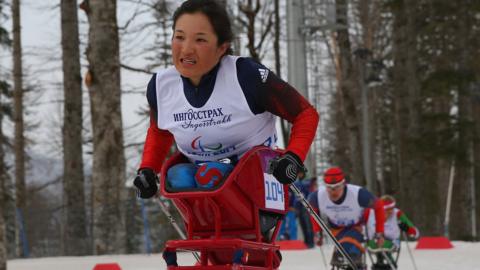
318 23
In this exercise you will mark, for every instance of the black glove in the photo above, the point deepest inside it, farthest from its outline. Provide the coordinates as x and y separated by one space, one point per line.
146 182
403 226
286 168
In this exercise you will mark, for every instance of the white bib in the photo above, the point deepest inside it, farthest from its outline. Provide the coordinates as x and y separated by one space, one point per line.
223 127
349 212
391 230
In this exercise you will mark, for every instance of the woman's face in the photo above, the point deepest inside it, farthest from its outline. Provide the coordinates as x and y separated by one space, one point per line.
194 46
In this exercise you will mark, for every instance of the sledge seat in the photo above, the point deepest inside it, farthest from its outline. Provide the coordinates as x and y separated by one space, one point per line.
234 224
379 262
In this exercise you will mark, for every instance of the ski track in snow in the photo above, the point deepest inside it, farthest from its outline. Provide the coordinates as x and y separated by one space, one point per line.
464 256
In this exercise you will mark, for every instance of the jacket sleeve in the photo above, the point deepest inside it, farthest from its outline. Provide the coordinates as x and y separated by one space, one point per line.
402 218
157 145
158 141
367 200
406 224
286 102
265 91
379 216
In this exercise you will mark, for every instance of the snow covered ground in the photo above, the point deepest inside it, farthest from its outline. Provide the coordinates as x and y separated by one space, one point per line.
464 256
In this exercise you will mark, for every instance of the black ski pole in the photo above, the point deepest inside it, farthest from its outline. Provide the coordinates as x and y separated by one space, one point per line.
175 224
388 259
409 251
323 256
322 224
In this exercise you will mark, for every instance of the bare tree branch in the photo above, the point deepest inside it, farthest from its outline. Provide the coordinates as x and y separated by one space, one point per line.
265 32
141 70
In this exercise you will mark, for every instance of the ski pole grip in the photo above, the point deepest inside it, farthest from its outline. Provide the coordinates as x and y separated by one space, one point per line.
271 165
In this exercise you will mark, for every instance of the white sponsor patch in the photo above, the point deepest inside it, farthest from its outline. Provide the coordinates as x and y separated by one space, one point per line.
274 193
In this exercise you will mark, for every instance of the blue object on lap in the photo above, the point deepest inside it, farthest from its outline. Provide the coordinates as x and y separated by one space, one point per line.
191 176
182 176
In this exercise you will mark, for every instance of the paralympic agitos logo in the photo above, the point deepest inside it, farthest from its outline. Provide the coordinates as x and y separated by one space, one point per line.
207 150
197 144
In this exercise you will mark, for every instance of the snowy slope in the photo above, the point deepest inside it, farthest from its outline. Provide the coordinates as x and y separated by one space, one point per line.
464 256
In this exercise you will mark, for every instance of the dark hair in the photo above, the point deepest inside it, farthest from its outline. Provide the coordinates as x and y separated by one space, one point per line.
216 14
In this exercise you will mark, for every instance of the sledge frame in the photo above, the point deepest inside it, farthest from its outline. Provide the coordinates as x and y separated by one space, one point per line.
227 224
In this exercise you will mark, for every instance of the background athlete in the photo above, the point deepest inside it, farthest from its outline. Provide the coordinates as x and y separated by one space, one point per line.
345 206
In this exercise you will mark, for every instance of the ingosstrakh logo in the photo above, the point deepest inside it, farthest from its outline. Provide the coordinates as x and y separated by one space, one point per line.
195 119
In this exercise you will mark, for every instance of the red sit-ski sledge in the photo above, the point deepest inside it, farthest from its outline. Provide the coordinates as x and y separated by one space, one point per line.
233 226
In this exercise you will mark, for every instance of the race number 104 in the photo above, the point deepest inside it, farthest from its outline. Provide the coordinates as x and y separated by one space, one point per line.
274 191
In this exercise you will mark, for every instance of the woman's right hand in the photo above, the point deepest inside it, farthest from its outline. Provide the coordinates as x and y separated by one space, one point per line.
287 168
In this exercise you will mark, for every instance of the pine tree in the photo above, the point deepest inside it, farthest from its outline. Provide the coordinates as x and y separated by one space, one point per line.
18 91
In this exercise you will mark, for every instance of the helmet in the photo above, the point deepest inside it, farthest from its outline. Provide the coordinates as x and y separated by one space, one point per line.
388 201
333 177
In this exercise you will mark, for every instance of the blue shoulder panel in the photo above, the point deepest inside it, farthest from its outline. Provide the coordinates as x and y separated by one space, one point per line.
365 198
152 95
252 77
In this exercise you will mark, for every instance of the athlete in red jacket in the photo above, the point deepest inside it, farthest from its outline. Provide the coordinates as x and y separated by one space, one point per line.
216 106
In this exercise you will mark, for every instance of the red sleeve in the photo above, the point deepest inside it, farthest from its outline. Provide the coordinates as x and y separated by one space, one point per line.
156 148
286 102
303 132
379 216
366 215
